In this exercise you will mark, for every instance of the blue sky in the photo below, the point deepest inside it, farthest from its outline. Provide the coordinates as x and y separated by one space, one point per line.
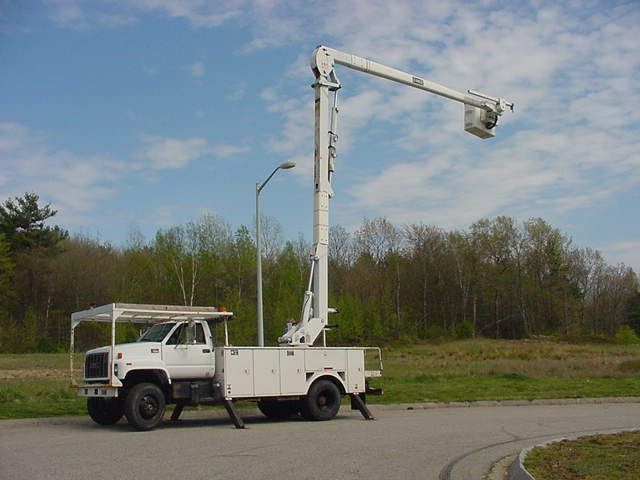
142 114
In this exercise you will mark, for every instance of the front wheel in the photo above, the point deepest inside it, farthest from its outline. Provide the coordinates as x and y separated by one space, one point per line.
144 406
105 411
322 401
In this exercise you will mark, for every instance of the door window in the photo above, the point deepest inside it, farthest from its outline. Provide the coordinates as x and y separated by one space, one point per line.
180 335
200 333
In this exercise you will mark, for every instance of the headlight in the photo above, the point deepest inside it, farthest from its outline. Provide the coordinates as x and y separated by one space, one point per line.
115 369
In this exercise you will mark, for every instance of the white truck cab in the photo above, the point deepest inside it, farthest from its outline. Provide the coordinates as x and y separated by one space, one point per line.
185 349
178 349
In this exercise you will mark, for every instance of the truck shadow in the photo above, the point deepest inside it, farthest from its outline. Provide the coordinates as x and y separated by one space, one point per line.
193 423
249 420
212 421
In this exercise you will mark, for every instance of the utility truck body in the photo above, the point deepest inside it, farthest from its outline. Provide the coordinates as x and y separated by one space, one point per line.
176 361
249 372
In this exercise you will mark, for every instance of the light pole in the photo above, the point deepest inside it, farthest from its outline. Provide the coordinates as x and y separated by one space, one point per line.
259 187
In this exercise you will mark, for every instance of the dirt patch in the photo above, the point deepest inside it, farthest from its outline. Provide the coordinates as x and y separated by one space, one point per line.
30 374
630 366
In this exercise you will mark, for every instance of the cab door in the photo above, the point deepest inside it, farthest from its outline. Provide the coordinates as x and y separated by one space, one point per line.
187 353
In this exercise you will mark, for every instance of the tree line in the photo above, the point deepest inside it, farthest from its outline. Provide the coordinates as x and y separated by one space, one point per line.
497 278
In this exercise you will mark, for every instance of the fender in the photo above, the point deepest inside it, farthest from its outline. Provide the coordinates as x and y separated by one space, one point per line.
332 376
157 375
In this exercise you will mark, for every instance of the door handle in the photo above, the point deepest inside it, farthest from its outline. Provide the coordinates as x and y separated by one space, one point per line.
206 350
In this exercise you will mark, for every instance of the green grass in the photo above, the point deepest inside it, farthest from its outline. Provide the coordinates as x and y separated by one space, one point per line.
36 361
446 388
44 397
36 385
598 457
484 369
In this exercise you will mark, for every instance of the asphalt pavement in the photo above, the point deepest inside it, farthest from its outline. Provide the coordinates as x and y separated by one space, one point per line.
435 443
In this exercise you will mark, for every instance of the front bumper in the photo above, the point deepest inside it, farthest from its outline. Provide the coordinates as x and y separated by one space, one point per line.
96 391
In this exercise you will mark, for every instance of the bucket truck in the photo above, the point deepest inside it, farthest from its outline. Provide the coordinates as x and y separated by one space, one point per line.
177 360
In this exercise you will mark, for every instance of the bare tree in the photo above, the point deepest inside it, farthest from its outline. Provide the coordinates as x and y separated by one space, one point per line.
424 245
272 237
303 253
377 238
340 246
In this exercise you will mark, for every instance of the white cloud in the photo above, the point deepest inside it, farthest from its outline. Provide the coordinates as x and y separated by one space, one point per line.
84 14
572 142
163 216
228 150
68 14
279 23
171 153
573 70
151 71
74 184
13 136
238 92
627 252
197 69
71 14
200 13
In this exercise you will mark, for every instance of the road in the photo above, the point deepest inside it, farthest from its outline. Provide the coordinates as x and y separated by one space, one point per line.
438 443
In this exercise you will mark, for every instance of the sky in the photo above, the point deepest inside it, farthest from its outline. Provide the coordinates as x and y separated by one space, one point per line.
130 116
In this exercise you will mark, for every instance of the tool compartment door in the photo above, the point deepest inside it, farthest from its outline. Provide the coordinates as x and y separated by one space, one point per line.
293 380
325 359
355 370
238 372
266 378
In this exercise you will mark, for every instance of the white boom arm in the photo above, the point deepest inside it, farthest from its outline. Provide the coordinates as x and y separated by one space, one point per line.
481 116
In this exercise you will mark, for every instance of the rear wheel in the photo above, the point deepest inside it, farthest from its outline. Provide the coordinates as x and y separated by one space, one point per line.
278 410
144 406
322 401
105 411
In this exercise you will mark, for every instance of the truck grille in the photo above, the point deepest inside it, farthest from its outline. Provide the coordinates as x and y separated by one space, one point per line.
96 365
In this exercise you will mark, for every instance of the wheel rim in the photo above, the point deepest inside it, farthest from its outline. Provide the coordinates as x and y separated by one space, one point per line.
148 406
325 400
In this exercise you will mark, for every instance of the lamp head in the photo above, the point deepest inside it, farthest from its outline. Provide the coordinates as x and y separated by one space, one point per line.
287 165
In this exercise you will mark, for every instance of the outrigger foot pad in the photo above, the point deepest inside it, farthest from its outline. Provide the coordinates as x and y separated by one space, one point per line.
233 413
177 411
356 401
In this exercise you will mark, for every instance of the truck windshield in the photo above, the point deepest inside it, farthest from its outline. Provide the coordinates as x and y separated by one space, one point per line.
157 332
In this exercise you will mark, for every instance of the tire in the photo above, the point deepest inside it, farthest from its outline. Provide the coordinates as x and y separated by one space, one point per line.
144 406
278 410
322 401
105 411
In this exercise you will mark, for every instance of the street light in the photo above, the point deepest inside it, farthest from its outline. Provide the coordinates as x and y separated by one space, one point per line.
259 187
